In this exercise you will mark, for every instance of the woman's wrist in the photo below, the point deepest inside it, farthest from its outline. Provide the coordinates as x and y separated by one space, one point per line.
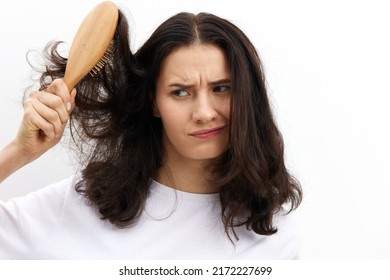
12 158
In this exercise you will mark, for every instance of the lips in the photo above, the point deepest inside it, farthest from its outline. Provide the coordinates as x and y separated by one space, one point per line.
207 133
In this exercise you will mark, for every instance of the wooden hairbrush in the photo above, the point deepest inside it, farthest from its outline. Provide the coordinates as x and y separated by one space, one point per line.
92 47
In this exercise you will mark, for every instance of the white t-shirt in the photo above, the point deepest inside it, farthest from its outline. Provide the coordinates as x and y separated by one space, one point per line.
56 223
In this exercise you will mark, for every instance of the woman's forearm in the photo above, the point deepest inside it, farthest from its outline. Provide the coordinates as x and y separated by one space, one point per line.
11 159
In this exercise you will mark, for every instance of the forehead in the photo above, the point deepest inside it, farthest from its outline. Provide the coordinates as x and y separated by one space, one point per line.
189 62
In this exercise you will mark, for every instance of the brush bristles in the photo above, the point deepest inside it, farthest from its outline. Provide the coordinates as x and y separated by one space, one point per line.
103 61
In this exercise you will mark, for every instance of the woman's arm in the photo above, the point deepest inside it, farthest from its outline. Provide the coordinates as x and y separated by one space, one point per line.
45 116
11 159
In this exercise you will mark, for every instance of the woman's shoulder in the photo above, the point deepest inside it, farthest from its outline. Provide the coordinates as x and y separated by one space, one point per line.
47 198
284 244
286 220
60 187
288 234
28 223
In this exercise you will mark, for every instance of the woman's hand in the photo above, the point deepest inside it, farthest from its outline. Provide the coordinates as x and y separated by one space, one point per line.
45 116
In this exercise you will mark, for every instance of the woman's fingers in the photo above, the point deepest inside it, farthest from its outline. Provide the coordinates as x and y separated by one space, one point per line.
49 110
50 105
41 116
72 100
59 88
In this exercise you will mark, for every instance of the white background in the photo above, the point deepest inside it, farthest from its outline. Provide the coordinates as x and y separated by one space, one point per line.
327 65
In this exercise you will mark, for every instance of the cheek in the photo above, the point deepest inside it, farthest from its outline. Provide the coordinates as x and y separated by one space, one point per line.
172 118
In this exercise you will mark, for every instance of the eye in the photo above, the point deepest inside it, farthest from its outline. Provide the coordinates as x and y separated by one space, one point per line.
221 89
180 93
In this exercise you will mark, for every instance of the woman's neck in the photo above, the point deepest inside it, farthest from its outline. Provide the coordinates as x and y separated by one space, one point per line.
185 175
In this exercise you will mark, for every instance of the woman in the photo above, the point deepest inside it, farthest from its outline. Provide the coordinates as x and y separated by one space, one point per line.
181 157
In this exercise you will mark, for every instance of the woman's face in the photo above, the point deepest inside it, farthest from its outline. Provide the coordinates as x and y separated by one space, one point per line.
193 102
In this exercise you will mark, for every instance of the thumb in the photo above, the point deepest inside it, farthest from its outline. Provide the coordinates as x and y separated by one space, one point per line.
70 105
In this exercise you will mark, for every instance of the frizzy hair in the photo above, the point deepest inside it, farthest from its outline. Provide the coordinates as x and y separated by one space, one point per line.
120 142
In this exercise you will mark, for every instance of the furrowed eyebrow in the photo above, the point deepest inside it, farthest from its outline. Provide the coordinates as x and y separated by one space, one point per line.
181 86
219 82
213 83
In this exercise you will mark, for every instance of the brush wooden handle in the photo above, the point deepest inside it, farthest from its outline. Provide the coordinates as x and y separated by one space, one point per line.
91 42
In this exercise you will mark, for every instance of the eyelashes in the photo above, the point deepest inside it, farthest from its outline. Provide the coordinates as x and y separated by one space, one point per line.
221 89
181 93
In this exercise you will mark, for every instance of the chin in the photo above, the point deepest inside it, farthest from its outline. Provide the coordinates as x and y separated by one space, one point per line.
206 155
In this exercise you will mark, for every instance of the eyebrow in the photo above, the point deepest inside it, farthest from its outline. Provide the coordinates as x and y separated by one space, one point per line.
213 83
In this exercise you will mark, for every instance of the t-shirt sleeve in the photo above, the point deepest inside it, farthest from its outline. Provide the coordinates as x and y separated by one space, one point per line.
290 237
22 218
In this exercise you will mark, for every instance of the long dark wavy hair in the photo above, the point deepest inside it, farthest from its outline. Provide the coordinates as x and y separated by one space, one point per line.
120 141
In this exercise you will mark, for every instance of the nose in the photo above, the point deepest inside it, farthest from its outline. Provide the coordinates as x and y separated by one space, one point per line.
204 110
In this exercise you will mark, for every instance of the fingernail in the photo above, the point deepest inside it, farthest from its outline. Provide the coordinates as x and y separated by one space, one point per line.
68 106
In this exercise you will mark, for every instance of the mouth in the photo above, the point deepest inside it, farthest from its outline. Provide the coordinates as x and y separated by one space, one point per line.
207 133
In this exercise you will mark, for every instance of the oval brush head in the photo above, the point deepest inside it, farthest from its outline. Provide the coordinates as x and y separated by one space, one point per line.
91 46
